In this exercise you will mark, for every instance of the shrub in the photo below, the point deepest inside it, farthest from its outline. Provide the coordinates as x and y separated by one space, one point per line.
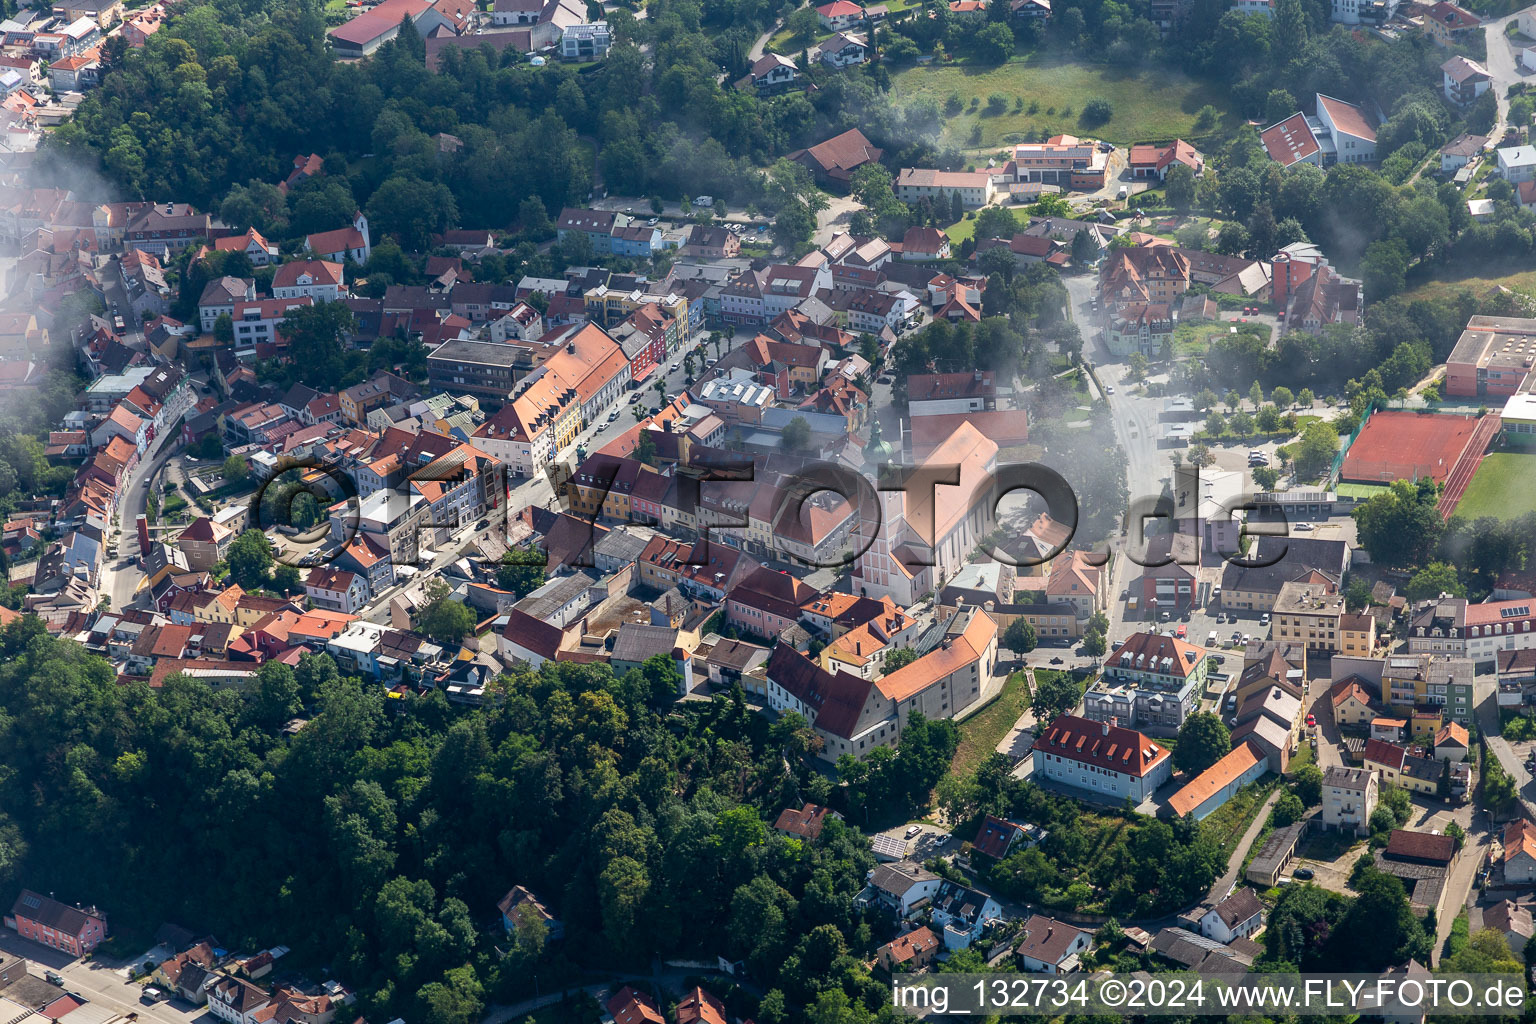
1096 112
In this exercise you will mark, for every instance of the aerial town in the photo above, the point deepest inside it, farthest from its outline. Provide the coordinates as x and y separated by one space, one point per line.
651 511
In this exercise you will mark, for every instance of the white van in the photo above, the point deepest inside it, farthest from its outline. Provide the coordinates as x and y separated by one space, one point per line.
1211 640
1124 192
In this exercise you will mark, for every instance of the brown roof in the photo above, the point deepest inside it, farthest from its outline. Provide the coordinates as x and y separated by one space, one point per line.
1347 117
1241 906
805 822
1420 846
1382 752
1102 745
50 913
904 947
1046 939
842 154
700 1007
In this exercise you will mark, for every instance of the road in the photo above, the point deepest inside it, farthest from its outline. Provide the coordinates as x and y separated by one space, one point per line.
102 981
120 577
1135 417
1503 66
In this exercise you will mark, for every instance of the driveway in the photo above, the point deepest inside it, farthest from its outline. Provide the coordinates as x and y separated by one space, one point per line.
1503 66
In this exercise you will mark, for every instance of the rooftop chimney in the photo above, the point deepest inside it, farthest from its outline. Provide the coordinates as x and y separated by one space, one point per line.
1104 727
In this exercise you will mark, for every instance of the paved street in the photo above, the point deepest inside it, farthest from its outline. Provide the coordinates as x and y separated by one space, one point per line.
102 981
121 576
1503 66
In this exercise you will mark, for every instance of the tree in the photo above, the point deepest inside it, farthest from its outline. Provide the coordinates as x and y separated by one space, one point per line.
1096 112
236 470
1288 809
1055 694
1179 186
1094 643
1307 784
1019 637
803 25
1434 579
1357 594
1267 477
899 658
1203 740
797 434
521 571
250 559
315 347
444 619
1314 453
1282 397
286 578
1085 248
1399 526
1384 268
994 43
1137 365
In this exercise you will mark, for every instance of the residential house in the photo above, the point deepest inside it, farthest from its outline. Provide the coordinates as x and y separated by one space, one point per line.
1151 161
205 543
42 919
1102 758
839 15
1349 797
164 228
1240 915
770 74
1513 921
321 280
997 837
963 914
219 298
834 160
899 887
337 589
841 51
975 188
909 953
521 908
585 41
256 248
1460 151
1447 24
1048 946
1519 860
1463 80
631 1006
1152 682
1309 614
803 822
924 243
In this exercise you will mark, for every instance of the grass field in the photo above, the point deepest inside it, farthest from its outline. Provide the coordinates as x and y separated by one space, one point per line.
1523 282
960 230
1359 492
1151 104
982 732
1501 488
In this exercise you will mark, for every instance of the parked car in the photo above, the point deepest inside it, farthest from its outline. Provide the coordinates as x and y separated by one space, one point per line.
913 830
1304 874
1305 527
1311 721
53 978
151 996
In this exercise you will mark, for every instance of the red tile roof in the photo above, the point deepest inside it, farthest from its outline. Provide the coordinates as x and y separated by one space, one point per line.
1102 745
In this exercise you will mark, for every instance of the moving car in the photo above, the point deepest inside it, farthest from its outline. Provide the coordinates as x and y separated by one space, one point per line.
1109 389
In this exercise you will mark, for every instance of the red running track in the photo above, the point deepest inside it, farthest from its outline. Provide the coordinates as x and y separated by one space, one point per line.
1466 467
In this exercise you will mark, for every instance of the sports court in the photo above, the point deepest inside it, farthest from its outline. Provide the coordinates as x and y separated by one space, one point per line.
1398 445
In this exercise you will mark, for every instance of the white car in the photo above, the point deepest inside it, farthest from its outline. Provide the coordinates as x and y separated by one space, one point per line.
1109 389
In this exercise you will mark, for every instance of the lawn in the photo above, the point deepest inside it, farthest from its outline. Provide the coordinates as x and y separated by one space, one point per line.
961 229
1361 492
982 732
1150 104
1501 488
1228 822
1523 282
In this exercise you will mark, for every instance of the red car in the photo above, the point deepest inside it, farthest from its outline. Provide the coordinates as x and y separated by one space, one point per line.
1311 720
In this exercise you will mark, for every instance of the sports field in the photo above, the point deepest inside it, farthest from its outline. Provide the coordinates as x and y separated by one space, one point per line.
1398 445
1504 487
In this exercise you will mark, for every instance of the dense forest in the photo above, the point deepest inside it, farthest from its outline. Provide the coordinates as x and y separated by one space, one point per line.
400 830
